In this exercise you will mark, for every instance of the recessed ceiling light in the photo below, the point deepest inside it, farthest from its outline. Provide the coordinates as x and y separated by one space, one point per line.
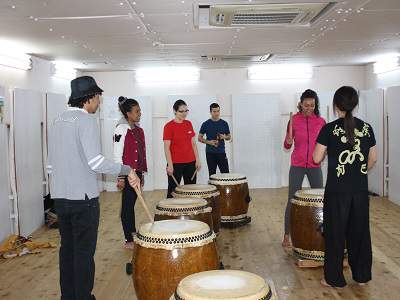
31 17
138 27
63 37
142 15
13 6
36 19
344 20
183 1
121 3
50 29
186 23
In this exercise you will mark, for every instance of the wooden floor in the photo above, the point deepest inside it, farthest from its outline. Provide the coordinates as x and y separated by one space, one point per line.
255 248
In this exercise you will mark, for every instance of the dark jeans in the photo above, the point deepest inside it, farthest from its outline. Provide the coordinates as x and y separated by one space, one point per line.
129 197
215 160
185 170
346 222
78 222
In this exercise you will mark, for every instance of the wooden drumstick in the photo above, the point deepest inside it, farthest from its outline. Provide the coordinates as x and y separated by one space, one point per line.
146 209
194 174
327 114
176 181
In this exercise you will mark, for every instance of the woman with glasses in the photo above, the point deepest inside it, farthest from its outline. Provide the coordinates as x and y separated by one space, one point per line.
180 148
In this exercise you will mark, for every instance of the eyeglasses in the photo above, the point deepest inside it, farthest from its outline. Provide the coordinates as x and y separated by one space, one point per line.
183 111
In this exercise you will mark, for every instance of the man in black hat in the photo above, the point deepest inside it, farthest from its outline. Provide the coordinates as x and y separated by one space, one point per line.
75 159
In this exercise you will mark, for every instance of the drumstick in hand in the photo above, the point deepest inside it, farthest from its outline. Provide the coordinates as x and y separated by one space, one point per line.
176 181
194 174
146 209
290 133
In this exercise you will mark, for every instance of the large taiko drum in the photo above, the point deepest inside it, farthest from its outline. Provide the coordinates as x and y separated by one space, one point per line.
208 192
184 209
306 218
167 251
235 198
223 285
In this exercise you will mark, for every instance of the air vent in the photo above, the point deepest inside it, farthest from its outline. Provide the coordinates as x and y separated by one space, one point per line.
237 58
90 63
295 14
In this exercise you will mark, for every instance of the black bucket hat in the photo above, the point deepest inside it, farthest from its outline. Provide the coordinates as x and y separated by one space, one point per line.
84 86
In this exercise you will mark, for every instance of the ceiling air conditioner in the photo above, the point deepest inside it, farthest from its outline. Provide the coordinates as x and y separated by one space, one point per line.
298 14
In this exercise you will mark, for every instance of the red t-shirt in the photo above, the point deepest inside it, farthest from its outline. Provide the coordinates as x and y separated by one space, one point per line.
180 135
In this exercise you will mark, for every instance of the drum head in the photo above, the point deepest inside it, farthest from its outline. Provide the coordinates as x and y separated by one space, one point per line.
182 203
171 234
195 190
223 284
309 197
227 179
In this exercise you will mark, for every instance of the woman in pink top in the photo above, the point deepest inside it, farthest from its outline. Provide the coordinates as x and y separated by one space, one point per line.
302 130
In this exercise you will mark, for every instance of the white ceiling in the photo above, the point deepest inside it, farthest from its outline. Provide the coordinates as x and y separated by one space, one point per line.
371 28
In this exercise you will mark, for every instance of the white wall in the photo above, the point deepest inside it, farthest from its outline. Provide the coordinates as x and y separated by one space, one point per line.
37 79
223 83
383 80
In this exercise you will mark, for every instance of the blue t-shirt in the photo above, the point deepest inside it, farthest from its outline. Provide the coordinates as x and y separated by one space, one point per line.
211 128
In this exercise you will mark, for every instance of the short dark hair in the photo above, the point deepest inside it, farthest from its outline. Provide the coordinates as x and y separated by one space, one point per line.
178 103
213 105
126 104
80 102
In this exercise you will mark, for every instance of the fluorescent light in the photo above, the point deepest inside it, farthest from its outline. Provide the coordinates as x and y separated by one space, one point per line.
64 70
387 64
167 74
15 60
280 71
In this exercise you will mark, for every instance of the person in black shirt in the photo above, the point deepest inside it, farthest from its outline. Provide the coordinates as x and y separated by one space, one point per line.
350 145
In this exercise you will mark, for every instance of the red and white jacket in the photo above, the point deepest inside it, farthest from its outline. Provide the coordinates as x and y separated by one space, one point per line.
127 147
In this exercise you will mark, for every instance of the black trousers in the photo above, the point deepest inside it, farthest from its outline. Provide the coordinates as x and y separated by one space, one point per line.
78 222
215 160
185 170
346 223
129 197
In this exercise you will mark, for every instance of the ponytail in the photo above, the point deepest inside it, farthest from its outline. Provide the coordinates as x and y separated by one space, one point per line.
349 126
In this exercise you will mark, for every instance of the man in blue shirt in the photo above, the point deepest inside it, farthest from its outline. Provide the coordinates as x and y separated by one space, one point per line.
217 132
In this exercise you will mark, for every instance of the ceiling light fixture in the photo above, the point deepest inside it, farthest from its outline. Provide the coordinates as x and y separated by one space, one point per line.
167 74
280 71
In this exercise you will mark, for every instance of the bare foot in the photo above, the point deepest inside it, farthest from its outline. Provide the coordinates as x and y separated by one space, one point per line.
286 242
325 284
129 245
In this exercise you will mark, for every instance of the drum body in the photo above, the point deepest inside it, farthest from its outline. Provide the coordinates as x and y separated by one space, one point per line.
167 251
235 198
184 209
208 192
306 218
223 285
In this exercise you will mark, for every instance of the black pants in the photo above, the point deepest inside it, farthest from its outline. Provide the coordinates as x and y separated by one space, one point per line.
185 170
78 222
346 222
215 160
129 197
